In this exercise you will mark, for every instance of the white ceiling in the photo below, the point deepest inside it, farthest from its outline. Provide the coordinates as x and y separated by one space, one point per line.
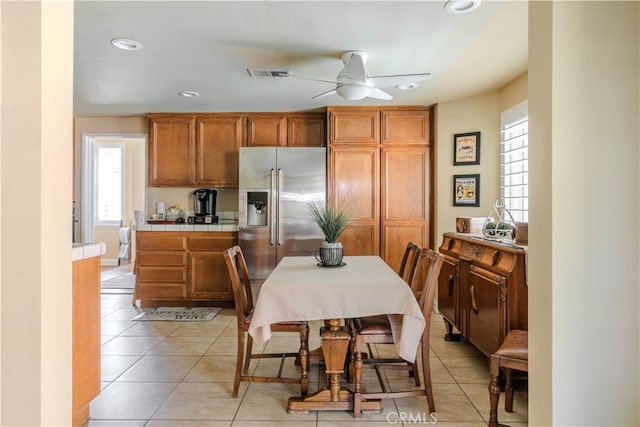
207 46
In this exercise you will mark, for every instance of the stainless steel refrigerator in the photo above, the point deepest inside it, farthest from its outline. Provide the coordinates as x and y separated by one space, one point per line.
275 185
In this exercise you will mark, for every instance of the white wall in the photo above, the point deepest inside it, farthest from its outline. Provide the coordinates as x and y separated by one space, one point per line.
584 236
35 252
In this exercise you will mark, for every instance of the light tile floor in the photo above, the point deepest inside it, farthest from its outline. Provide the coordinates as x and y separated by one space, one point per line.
161 374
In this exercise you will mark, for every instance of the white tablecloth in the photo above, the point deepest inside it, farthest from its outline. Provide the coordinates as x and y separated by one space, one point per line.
298 289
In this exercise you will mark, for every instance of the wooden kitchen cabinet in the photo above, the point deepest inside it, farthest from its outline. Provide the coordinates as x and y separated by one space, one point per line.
208 277
286 129
188 150
482 290
218 141
354 182
380 166
171 153
182 268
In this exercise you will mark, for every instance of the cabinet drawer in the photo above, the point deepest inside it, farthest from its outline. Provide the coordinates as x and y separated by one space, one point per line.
211 243
161 291
145 258
157 241
161 274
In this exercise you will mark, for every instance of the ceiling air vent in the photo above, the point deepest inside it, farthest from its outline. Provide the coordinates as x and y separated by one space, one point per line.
269 73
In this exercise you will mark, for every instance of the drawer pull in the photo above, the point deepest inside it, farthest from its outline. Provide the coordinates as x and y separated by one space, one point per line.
450 285
474 304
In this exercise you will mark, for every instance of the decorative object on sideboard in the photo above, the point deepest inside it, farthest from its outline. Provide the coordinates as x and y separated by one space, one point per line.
466 190
332 221
466 148
469 225
522 233
499 224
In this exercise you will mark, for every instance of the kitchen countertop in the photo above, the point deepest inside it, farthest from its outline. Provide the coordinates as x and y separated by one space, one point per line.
231 226
87 250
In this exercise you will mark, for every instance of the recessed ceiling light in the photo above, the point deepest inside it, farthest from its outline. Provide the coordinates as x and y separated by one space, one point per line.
126 44
189 93
461 6
407 86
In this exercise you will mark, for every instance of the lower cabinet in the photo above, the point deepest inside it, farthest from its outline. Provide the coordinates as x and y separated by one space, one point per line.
482 290
182 268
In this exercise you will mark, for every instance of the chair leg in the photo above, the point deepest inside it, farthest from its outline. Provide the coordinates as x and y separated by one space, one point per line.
508 391
247 357
239 360
494 397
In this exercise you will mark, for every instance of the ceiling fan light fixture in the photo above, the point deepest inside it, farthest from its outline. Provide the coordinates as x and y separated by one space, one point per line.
189 93
353 92
126 44
461 6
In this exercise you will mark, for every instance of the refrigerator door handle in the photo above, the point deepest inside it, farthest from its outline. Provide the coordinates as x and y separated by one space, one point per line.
274 198
280 187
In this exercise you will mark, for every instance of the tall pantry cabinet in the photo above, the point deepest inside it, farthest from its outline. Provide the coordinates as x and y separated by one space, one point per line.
380 166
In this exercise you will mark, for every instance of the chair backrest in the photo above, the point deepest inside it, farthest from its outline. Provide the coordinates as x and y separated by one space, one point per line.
240 283
410 262
435 261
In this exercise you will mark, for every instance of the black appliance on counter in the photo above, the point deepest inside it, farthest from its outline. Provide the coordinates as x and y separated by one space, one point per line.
204 207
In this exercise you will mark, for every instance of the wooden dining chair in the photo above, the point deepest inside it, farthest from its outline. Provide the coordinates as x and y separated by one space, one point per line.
240 282
369 330
409 266
372 328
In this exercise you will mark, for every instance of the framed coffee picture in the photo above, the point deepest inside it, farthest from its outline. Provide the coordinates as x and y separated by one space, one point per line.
466 190
466 148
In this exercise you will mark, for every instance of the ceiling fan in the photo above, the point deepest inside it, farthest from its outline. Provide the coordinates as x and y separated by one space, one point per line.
354 81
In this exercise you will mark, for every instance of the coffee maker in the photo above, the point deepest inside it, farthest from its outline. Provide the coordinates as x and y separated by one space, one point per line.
204 206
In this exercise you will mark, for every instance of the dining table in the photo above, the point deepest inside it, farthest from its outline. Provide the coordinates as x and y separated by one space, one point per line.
302 289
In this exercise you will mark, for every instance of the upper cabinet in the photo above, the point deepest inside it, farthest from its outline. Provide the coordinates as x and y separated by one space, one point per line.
188 150
218 137
286 129
172 154
354 125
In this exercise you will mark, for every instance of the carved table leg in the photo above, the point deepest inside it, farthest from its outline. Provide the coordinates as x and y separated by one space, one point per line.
335 343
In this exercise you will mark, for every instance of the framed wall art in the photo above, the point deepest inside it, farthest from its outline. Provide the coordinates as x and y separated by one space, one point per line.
466 148
466 190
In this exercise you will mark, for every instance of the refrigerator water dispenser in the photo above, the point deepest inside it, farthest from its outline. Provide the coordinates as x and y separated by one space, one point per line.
257 208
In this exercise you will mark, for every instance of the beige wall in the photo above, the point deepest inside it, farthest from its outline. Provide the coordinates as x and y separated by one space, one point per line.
583 277
35 252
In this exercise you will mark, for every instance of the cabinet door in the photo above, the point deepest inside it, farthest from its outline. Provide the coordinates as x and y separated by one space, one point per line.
354 177
405 198
208 278
266 130
487 294
356 125
219 138
307 130
171 150
406 126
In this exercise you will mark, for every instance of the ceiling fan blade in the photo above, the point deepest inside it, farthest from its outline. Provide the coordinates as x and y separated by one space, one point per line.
380 94
355 69
323 94
402 79
291 74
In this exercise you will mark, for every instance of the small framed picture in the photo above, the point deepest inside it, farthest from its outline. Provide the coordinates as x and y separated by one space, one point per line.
466 190
466 149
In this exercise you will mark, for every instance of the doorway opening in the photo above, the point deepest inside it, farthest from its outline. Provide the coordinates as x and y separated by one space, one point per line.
113 186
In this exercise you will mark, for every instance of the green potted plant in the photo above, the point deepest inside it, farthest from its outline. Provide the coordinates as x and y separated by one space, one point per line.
332 221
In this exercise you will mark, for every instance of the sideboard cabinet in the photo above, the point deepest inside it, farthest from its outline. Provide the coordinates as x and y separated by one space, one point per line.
482 290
